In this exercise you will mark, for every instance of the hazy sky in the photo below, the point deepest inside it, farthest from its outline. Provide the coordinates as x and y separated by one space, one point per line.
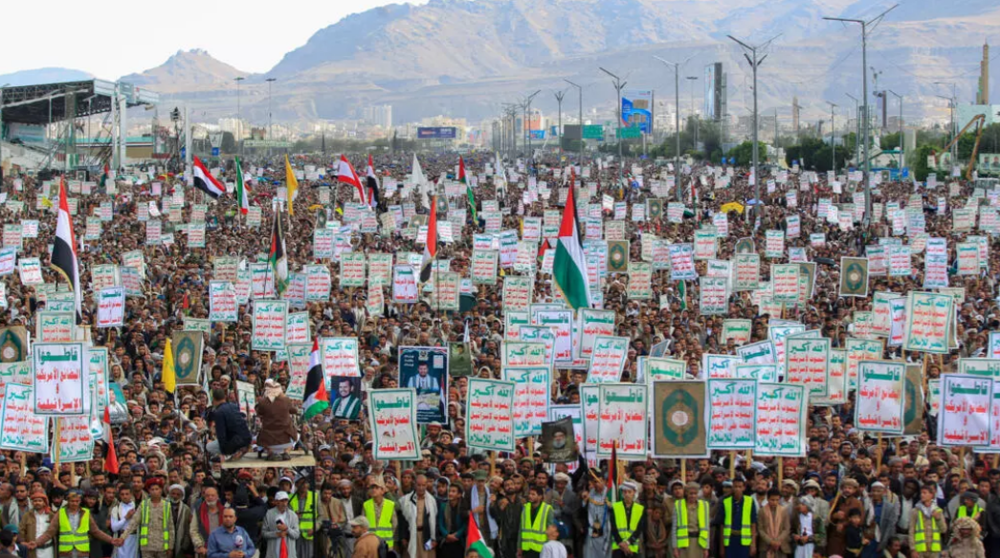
111 38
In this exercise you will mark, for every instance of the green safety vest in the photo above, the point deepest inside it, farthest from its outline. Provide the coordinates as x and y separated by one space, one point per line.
746 535
308 515
682 524
920 536
626 528
383 527
144 524
975 511
533 535
70 539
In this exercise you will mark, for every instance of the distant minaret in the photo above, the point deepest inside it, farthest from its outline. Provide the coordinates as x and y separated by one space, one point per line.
795 115
983 97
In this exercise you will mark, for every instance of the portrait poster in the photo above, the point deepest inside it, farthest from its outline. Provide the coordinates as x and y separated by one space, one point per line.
425 370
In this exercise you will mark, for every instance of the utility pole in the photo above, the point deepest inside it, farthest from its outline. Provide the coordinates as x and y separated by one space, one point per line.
857 127
527 125
269 82
755 63
677 121
952 103
559 99
694 113
579 90
872 23
796 107
239 120
833 136
902 143
619 85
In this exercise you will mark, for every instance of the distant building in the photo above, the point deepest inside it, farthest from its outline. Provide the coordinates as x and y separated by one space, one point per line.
378 115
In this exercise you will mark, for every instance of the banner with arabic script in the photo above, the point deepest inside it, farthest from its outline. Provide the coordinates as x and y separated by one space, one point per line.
531 398
393 415
879 406
621 420
781 420
59 378
489 411
928 318
732 414
966 403
20 429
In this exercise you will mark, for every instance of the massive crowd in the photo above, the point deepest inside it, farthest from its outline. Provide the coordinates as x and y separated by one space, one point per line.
852 495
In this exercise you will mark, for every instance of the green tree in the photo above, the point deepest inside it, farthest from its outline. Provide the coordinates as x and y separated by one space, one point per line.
919 166
228 142
744 152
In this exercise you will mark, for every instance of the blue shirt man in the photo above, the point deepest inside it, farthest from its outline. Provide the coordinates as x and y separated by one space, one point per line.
230 537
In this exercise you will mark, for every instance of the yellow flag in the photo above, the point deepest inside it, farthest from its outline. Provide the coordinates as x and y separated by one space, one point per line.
167 374
291 185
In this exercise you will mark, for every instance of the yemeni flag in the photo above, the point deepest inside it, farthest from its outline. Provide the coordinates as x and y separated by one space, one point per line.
474 540
430 248
111 459
569 269
346 174
64 258
468 189
242 190
315 400
371 182
276 258
204 181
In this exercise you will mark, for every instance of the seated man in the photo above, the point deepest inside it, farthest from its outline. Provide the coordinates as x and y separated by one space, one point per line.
277 433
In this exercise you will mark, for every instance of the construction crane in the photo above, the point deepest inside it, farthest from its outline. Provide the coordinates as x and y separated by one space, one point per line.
980 121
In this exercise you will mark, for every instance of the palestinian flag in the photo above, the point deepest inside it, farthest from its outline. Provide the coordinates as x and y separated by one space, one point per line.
474 540
315 399
430 248
64 258
276 258
468 189
105 176
204 181
569 269
346 174
242 190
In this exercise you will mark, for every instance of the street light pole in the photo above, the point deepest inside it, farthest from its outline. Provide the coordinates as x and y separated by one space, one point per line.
269 82
527 124
694 113
952 103
902 148
239 122
619 85
559 99
864 95
755 63
579 90
833 137
677 121
857 131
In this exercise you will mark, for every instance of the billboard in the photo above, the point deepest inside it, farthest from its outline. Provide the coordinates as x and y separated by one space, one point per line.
637 110
538 134
989 163
967 112
713 91
437 132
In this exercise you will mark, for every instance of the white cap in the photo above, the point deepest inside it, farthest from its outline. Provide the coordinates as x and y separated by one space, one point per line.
281 495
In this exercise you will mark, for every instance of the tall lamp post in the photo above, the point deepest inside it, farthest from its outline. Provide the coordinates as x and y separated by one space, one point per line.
269 82
619 85
755 61
559 99
952 103
694 113
527 125
677 120
902 144
833 136
865 27
239 121
579 90
857 131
